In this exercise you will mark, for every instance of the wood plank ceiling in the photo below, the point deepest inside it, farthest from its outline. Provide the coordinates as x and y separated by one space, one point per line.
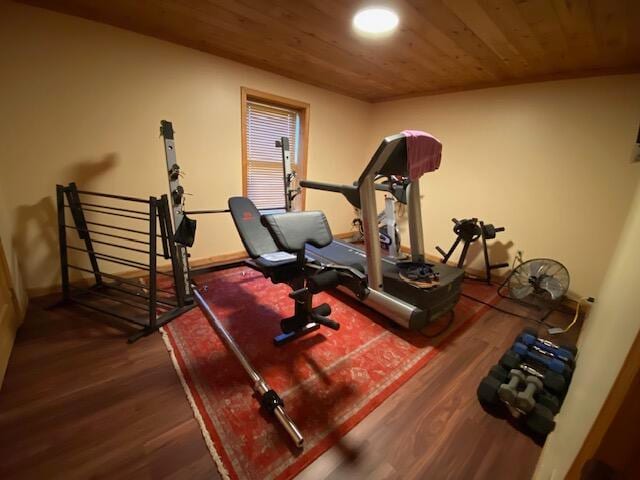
440 45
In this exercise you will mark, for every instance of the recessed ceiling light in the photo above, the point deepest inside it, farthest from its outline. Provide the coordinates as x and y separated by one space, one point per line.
375 20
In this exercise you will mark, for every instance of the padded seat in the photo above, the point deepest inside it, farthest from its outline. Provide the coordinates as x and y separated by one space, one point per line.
275 259
276 244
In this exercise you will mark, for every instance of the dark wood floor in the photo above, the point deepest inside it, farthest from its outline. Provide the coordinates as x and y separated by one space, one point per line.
78 402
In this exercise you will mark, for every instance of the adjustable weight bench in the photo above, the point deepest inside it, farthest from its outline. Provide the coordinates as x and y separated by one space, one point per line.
276 245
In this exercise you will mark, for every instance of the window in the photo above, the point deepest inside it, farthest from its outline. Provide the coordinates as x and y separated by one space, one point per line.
265 119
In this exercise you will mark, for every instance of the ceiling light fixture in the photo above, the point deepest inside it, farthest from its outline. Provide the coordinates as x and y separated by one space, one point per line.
375 21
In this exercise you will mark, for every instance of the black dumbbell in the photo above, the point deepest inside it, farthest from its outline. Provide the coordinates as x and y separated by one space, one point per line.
488 391
551 380
540 420
549 400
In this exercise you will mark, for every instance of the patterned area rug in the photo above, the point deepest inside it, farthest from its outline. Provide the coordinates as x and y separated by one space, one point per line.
329 380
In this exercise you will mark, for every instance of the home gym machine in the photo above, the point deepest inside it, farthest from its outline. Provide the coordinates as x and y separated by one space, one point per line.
276 244
402 301
269 399
144 223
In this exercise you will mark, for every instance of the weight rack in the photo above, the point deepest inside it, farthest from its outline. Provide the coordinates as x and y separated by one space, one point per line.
156 303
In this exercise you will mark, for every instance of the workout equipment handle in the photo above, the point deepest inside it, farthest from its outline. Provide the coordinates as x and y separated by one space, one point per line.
259 385
334 187
328 187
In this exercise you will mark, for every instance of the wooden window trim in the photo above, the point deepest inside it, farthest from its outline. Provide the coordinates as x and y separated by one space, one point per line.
303 109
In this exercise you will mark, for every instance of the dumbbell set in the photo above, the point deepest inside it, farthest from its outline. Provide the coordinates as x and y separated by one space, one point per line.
530 380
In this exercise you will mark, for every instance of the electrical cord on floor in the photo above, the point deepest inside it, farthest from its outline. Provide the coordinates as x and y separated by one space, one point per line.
558 330
502 310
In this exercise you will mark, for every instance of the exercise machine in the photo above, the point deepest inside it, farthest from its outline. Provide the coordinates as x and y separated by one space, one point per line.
404 302
269 399
277 245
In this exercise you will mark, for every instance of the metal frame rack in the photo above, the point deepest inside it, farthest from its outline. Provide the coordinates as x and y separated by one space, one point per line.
156 304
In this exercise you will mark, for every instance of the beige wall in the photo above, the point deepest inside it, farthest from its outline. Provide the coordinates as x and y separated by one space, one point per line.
604 343
11 255
549 161
83 101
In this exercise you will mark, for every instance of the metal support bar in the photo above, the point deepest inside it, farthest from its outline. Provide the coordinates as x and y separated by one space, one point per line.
62 241
111 195
370 226
124 247
123 229
109 207
144 219
119 279
259 385
177 212
86 230
121 261
78 216
164 303
204 212
98 293
153 223
109 312
416 234
176 267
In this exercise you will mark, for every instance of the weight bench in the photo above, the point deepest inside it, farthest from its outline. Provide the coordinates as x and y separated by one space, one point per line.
276 245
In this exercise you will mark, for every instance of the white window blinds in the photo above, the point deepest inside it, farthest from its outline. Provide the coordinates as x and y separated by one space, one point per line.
265 175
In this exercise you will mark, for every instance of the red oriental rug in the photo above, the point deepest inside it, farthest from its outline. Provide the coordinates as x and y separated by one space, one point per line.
329 380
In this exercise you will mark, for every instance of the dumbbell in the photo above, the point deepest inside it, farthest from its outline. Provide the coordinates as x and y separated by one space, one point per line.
567 360
540 420
525 400
551 363
487 391
508 392
559 352
551 380
543 397
569 348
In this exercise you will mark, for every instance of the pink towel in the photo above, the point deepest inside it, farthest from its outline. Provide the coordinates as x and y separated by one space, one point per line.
424 152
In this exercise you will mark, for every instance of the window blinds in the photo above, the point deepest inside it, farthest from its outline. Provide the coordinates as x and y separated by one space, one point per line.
265 178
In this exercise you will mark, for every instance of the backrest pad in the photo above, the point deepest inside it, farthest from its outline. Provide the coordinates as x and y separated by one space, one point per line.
256 238
294 229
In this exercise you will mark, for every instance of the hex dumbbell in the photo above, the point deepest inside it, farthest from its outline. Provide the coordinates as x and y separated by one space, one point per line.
551 380
549 362
508 392
549 399
525 400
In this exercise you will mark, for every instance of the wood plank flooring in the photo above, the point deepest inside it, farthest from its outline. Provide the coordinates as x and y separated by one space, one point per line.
78 402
